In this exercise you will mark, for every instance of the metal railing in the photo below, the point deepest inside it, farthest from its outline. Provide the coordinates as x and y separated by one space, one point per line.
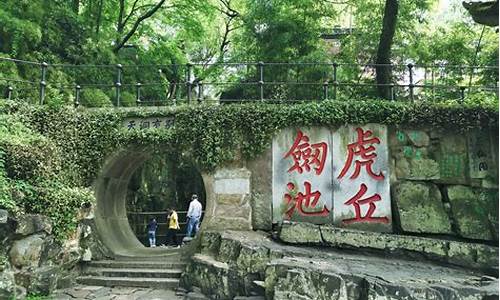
139 221
248 81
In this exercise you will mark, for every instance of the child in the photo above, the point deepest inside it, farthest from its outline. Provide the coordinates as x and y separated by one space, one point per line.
152 232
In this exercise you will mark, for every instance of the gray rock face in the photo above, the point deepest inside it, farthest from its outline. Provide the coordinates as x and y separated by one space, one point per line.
43 280
7 285
29 224
420 208
27 252
458 253
475 210
308 273
3 216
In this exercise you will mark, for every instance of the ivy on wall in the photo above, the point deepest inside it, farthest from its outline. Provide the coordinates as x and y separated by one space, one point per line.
63 149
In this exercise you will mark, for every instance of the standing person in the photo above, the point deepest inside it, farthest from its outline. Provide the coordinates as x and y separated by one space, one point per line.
193 215
152 232
173 228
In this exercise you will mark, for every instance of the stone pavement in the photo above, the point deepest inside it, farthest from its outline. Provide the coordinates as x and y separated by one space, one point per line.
115 293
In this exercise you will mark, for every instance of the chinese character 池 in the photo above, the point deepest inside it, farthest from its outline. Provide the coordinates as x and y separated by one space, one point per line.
362 147
357 201
303 203
304 155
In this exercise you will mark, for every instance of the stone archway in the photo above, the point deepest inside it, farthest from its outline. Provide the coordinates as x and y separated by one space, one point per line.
228 192
112 224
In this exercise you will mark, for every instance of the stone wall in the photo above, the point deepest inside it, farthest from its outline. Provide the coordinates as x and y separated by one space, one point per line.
234 265
442 183
445 182
32 261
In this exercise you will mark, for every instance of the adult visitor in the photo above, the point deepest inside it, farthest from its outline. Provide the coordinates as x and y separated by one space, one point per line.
193 216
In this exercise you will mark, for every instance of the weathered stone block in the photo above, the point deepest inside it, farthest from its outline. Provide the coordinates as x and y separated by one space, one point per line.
417 168
301 233
27 252
230 199
4 215
229 249
43 280
338 237
210 242
452 158
475 211
7 285
418 138
29 224
261 211
212 277
420 208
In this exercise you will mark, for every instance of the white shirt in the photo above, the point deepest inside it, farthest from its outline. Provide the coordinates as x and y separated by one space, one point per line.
194 210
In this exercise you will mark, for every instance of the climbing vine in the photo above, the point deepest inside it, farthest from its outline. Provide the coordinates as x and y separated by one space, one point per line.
49 149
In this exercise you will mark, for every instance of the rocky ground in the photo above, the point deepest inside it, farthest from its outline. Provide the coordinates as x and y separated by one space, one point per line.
115 293
237 264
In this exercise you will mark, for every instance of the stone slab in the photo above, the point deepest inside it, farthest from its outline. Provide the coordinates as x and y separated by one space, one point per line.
420 208
302 175
232 186
361 184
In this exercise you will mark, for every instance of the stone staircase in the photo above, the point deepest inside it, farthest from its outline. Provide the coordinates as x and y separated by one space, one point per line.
134 272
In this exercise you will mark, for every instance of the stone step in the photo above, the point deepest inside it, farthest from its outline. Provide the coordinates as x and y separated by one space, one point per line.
258 288
159 283
129 264
135 272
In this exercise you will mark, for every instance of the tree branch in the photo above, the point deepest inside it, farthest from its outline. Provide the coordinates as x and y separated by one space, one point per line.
146 15
131 12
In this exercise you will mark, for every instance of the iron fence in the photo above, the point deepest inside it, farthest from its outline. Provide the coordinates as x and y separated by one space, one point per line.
171 84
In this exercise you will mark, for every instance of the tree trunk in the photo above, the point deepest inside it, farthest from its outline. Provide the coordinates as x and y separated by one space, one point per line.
383 67
76 6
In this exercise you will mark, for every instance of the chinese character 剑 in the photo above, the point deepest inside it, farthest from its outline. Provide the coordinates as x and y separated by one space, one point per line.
304 154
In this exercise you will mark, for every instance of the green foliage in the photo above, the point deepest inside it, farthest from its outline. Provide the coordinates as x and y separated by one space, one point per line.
95 98
49 155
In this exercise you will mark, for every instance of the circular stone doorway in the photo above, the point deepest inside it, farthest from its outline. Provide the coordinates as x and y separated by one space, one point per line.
111 220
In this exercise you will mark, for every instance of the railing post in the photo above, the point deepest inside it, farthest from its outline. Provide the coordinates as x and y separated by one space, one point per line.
391 87
9 92
118 83
411 85
43 84
335 82
77 95
261 80
138 93
200 91
188 81
325 90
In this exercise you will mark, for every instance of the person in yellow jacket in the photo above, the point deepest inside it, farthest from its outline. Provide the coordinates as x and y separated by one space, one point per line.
173 228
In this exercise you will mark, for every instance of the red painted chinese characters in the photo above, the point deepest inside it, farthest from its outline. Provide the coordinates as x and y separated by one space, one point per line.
304 154
302 202
366 154
364 149
357 201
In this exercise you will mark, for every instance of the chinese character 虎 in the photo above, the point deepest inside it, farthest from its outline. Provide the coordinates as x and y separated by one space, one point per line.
367 155
304 154
302 202
357 201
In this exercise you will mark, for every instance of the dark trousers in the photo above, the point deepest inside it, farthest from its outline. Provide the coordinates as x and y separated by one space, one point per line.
172 237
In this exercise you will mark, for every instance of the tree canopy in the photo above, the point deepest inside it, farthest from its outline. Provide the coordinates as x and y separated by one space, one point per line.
172 33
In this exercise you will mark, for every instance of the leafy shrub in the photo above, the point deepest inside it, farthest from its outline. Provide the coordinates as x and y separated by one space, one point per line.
94 98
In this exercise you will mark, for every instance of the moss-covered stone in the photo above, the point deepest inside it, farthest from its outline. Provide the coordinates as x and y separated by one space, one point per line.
475 211
420 208
301 233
